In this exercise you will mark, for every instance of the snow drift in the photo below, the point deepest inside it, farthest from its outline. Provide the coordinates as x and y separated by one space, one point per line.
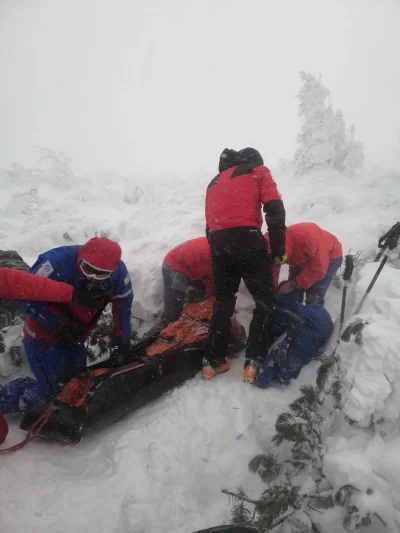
162 468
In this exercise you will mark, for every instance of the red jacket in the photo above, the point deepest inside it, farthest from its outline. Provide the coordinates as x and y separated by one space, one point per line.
310 248
234 197
3 428
19 285
193 259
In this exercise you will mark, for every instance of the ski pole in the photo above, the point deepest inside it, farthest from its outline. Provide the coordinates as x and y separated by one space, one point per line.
389 240
348 271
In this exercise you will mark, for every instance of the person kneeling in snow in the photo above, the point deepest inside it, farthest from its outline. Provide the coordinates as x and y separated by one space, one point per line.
55 332
298 334
186 266
314 256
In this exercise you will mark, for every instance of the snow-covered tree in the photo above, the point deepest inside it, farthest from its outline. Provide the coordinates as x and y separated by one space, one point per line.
316 137
340 140
354 155
324 142
55 168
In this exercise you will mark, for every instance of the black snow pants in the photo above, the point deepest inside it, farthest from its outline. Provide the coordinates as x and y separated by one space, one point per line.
240 253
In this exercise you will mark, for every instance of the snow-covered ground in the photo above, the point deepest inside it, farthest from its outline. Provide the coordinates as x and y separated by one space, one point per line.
162 468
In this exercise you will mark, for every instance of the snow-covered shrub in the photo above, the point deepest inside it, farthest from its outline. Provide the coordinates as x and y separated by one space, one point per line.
324 142
316 137
55 168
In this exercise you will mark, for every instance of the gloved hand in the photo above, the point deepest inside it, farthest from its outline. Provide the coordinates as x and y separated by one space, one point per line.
286 286
89 298
279 259
121 351
73 330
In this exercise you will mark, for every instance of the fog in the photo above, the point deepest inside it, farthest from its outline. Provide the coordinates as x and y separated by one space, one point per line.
155 86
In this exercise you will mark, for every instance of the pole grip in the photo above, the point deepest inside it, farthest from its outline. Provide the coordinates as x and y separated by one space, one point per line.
391 238
349 267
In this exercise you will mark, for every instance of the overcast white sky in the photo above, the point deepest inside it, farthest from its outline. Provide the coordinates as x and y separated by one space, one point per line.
165 85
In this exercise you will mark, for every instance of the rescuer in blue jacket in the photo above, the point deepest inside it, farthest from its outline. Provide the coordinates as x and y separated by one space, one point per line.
55 333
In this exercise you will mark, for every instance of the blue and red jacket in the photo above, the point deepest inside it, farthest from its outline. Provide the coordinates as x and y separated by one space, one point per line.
45 321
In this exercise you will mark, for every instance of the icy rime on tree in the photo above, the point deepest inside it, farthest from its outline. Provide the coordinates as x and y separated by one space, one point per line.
324 142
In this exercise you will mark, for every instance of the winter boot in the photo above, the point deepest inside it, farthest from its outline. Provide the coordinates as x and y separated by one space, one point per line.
209 372
250 371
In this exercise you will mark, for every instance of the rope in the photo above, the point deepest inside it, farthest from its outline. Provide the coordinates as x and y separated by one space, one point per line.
33 432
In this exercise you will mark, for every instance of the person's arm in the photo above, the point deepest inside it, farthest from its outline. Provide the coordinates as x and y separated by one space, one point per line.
19 285
274 210
54 320
122 303
316 268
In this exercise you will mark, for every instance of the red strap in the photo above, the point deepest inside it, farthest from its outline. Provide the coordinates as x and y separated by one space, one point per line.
33 432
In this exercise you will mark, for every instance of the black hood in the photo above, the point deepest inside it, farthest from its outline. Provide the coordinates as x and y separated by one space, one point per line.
252 156
230 158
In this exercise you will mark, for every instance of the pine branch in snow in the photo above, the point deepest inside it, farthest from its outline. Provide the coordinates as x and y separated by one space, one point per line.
301 426
267 466
99 342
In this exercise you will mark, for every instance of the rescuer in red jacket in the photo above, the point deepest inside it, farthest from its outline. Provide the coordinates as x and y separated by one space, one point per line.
238 250
186 266
314 256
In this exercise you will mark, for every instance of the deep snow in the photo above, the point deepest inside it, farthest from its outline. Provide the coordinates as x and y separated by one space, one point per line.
162 468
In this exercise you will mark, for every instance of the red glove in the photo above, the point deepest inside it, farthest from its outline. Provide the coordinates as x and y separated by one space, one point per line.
3 428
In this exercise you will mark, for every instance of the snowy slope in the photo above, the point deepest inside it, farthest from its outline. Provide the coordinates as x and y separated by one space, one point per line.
162 468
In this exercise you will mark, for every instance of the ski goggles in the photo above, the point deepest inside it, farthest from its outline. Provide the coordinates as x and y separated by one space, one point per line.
90 271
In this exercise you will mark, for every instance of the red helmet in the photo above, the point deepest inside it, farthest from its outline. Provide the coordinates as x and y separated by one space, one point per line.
101 254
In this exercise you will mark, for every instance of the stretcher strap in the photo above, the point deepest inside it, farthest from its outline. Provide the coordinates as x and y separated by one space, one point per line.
33 432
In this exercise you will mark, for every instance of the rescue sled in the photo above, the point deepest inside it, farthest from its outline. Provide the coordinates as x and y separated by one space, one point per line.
103 394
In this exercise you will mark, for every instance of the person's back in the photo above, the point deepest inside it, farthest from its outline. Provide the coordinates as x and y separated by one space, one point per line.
238 249
235 195
306 240
192 258
314 255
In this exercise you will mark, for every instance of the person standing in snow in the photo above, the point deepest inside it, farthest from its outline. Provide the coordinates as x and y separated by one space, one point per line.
314 256
55 332
188 265
238 250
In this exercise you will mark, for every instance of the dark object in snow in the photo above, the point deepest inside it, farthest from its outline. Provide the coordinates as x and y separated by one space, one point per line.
105 393
9 309
3 428
230 529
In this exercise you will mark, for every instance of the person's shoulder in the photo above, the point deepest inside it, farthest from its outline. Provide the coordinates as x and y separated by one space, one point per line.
262 170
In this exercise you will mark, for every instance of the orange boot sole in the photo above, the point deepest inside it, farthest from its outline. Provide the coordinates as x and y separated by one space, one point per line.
209 372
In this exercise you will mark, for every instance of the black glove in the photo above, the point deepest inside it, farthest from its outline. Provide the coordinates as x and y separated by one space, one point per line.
89 298
121 351
73 330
